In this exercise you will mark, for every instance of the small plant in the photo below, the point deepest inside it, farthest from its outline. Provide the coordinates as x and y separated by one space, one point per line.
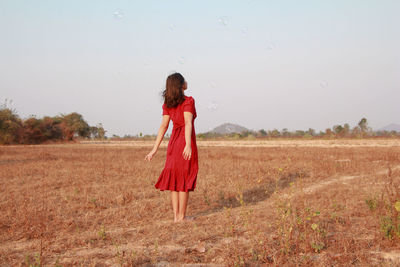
93 201
388 214
57 262
239 198
156 246
240 261
36 262
206 200
387 227
133 254
397 206
102 232
372 203
299 228
390 224
317 246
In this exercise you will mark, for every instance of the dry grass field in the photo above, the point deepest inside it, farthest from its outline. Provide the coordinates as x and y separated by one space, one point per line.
283 203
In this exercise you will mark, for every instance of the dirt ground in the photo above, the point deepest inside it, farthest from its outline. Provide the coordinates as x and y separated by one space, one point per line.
256 203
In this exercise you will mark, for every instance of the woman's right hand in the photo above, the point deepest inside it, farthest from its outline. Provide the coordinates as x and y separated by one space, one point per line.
149 156
187 152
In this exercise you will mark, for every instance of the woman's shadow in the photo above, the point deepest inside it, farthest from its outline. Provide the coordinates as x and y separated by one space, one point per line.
253 195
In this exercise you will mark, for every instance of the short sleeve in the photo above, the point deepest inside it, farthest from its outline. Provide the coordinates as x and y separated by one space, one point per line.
188 105
165 111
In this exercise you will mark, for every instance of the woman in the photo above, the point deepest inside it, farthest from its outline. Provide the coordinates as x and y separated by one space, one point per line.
181 166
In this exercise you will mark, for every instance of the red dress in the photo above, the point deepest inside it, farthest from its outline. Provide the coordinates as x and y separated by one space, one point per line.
179 174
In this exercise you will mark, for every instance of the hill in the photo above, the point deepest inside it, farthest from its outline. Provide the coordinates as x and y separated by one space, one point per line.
391 127
227 128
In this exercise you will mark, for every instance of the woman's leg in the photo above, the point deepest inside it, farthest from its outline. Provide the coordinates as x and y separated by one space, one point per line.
183 200
175 204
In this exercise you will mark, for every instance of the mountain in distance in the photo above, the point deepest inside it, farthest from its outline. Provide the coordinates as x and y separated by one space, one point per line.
227 128
391 127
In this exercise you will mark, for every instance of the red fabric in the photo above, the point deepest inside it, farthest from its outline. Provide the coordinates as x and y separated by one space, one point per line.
179 174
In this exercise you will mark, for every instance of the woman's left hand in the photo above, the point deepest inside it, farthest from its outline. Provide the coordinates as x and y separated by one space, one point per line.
150 155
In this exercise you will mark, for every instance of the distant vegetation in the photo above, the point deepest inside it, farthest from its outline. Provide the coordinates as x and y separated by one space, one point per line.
361 130
65 127
68 127
231 131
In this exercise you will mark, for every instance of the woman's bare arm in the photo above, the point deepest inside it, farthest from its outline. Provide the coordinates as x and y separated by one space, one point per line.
188 127
161 131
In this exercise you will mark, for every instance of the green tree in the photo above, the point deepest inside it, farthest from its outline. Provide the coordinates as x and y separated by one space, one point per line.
51 128
73 125
274 133
356 132
97 132
338 130
363 124
329 133
346 129
311 131
94 132
33 131
10 126
299 133
285 132
365 130
101 131
262 132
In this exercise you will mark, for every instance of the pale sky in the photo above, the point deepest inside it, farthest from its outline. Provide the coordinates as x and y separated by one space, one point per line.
260 64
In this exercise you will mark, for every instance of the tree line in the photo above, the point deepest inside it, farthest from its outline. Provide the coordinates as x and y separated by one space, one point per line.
67 127
64 127
361 130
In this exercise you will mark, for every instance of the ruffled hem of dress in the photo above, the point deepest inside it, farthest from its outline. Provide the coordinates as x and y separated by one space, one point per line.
171 179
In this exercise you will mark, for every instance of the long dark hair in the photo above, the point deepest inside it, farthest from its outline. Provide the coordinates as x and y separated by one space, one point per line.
173 94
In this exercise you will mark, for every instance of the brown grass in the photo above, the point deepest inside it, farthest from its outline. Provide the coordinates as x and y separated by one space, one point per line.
291 205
